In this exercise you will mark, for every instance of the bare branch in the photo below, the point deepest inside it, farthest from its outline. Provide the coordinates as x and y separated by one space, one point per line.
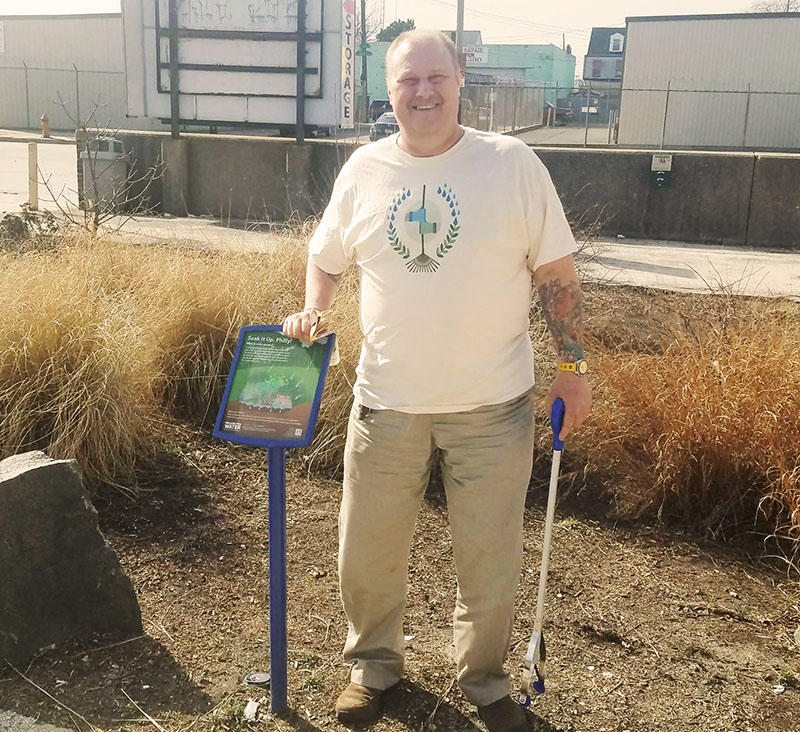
127 198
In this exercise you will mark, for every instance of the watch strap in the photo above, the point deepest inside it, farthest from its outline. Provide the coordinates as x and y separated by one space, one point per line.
579 367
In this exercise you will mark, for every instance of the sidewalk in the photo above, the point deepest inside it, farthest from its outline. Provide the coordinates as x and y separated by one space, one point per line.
664 265
703 268
61 138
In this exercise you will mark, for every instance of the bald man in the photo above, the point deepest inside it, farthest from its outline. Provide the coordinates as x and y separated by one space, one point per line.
446 225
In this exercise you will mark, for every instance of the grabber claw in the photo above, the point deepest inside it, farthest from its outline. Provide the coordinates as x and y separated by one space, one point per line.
533 675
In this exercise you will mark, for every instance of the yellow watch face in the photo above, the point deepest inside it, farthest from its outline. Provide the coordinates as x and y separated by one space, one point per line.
583 367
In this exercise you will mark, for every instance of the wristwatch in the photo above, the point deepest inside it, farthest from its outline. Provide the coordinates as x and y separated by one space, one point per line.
579 367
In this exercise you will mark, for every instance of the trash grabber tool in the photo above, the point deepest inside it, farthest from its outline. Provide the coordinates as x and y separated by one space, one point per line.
533 676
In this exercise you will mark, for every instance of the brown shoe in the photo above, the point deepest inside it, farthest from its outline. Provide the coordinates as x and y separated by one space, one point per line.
358 704
504 715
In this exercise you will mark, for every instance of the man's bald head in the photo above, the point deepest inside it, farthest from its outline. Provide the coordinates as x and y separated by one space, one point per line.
412 38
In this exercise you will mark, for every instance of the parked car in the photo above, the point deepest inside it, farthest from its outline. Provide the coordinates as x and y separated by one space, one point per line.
384 126
559 114
378 107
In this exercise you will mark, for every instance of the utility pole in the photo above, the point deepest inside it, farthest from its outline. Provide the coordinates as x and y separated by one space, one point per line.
462 63
460 32
364 100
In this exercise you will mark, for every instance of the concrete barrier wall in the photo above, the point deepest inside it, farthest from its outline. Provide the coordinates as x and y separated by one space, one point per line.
775 204
250 178
706 201
731 198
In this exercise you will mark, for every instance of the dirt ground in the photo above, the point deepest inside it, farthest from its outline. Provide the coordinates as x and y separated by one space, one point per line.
647 628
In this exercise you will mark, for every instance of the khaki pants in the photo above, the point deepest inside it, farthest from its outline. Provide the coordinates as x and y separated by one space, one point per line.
486 464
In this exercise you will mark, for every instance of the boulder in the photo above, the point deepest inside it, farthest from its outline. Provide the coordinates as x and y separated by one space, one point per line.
59 577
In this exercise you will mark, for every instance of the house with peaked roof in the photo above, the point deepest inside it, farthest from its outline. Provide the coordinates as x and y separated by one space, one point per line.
602 65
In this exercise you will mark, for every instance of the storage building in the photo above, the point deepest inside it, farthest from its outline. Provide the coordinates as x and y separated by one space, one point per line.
712 82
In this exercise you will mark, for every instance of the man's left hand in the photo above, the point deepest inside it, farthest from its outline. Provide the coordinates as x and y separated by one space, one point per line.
577 396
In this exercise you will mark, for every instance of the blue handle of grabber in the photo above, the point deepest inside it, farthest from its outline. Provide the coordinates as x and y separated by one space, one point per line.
556 420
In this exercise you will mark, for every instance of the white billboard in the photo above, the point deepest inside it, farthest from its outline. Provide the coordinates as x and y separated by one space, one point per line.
273 15
237 61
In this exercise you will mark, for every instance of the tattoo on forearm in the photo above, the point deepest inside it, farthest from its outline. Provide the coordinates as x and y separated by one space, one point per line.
562 306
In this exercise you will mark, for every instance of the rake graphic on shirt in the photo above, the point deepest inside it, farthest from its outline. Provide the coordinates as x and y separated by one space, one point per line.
422 262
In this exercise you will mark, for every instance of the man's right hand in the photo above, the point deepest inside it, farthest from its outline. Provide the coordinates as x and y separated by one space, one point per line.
299 325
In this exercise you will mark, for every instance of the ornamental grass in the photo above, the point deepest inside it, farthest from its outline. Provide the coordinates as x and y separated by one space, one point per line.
103 343
697 411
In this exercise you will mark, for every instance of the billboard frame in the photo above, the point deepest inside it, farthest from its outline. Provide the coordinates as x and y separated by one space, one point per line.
232 35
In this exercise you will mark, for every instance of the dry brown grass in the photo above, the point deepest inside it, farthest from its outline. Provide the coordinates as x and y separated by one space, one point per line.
696 411
102 343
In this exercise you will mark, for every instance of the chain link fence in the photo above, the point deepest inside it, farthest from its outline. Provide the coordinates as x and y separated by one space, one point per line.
678 116
685 116
502 108
29 92
587 115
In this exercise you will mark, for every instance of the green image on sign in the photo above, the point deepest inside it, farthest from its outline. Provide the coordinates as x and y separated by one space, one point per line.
273 388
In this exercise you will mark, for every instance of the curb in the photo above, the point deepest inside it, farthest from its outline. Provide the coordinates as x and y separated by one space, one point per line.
39 140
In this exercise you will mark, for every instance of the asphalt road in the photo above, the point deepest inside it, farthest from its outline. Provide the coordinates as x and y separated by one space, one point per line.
567 135
57 166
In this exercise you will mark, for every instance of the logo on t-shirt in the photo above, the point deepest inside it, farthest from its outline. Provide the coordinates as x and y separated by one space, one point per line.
423 227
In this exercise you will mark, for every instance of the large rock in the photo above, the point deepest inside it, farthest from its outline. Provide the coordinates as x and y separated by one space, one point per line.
59 578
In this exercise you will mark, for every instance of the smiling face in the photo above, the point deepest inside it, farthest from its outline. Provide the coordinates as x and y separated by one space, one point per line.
423 89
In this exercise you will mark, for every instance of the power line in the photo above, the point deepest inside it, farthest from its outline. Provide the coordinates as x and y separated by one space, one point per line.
522 38
513 21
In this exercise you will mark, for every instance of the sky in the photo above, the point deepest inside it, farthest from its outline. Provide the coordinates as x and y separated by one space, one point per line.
500 21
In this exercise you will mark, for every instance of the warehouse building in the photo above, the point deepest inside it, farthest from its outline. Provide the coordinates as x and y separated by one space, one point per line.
712 81
77 59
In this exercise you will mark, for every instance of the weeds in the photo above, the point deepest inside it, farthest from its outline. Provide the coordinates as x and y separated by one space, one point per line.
102 343
28 230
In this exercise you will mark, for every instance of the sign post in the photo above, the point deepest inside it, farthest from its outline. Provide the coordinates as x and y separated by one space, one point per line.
277 579
272 399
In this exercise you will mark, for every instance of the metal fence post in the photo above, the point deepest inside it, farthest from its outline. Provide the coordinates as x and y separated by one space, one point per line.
746 115
586 125
174 74
554 116
81 144
514 111
300 113
77 95
666 110
27 99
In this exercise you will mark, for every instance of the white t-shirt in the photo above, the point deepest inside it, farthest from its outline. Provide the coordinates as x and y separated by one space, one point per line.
445 247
